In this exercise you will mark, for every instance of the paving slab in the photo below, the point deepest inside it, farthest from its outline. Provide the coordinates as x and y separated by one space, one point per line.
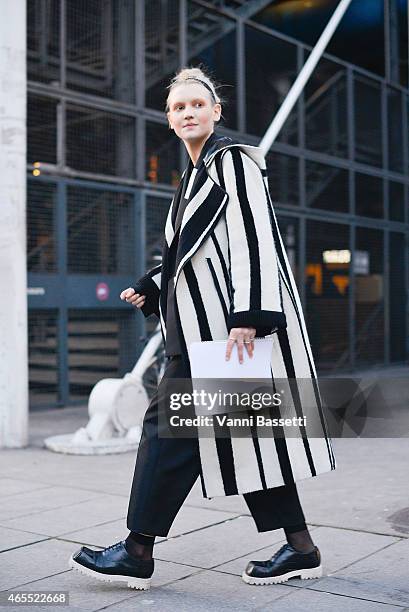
382 576
26 564
37 501
206 591
12 538
12 486
339 548
66 519
367 489
217 544
303 600
89 595
102 474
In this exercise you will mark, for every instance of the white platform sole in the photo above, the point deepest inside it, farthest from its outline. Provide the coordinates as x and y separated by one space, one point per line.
142 584
304 574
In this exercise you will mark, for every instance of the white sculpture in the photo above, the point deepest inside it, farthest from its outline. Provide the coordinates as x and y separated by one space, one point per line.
116 407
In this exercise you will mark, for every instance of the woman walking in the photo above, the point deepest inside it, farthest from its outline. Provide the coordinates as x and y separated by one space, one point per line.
224 276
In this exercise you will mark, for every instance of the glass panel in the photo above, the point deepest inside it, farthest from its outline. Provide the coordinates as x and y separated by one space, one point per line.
212 41
368 121
327 187
100 47
101 344
397 297
369 195
395 132
162 154
271 68
101 236
161 49
43 34
369 292
283 178
396 201
42 357
306 19
41 130
327 282
326 110
41 234
100 142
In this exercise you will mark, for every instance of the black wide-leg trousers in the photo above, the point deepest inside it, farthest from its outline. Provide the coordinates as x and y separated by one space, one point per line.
167 468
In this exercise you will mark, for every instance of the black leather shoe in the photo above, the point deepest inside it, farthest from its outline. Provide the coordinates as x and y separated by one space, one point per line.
284 564
113 564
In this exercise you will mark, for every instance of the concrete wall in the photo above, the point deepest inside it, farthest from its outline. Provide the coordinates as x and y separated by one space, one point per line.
13 283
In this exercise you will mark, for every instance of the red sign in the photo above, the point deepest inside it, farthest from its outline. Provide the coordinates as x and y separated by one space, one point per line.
102 291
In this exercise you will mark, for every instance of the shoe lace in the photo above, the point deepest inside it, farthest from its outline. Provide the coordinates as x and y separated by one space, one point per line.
279 551
113 546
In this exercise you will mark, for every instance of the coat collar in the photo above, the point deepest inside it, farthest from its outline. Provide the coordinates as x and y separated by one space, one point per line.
206 200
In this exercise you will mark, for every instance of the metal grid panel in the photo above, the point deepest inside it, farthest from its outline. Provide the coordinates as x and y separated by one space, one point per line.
100 142
99 346
325 110
271 68
397 321
41 227
283 178
326 279
395 133
43 44
368 196
396 201
100 231
41 129
162 154
162 49
211 40
100 42
327 187
368 121
369 297
42 357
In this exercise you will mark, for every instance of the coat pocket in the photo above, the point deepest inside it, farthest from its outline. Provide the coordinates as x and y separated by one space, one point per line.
218 288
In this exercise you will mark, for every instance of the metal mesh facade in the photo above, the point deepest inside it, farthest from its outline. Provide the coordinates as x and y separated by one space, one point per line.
103 165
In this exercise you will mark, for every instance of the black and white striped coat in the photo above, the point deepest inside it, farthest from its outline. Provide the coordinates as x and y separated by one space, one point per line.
232 271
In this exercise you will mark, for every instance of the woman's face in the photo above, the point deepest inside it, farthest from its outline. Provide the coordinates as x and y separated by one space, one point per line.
192 113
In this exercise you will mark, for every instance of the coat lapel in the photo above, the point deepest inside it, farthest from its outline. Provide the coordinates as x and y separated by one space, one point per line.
206 201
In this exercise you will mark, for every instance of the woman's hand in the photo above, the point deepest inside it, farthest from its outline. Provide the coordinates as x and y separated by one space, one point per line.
244 336
133 298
